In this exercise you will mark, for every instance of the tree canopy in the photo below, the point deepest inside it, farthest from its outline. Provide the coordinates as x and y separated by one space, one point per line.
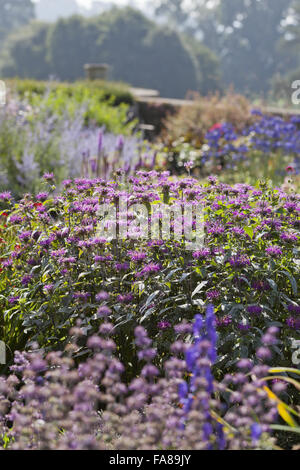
13 14
244 34
136 49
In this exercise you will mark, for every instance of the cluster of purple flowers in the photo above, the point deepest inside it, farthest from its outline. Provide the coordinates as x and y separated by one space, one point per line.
47 393
59 268
268 134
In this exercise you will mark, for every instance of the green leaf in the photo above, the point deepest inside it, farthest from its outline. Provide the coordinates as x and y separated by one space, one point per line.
292 281
249 231
280 427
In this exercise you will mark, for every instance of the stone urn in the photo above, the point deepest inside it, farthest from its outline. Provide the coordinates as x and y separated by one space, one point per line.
96 71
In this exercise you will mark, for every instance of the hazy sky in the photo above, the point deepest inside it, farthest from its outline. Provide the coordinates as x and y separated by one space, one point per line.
121 2
87 3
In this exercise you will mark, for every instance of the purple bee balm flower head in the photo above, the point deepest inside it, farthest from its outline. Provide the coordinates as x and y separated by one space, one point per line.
137 255
122 266
99 259
42 196
239 261
274 251
81 295
5 196
213 294
163 325
189 165
102 296
260 286
26 280
254 309
243 326
13 300
150 268
150 371
25 236
294 309
202 254
15 219
293 323
48 177
106 328
125 299
48 288
147 354
183 328
224 321
289 237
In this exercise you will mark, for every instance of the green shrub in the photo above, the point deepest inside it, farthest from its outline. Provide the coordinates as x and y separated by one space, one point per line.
114 92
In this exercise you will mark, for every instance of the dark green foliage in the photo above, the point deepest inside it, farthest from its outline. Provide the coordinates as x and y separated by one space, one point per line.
24 53
13 14
245 34
137 51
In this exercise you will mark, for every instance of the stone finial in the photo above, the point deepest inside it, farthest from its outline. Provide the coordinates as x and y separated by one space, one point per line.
96 71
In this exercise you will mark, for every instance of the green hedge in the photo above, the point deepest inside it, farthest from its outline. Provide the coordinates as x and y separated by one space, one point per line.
114 92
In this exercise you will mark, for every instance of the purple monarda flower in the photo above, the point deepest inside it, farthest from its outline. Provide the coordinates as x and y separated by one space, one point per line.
125 299
202 254
245 364
293 323
99 259
254 309
122 266
163 325
42 196
49 177
289 237
13 300
148 269
274 251
239 261
5 196
213 294
25 236
81 295
15 219
260 285
48 288
26 280
137 255
224 321
243 326
102 296
294 308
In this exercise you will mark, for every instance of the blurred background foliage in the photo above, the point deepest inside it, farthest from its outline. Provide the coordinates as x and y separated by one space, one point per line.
137 50
171 45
